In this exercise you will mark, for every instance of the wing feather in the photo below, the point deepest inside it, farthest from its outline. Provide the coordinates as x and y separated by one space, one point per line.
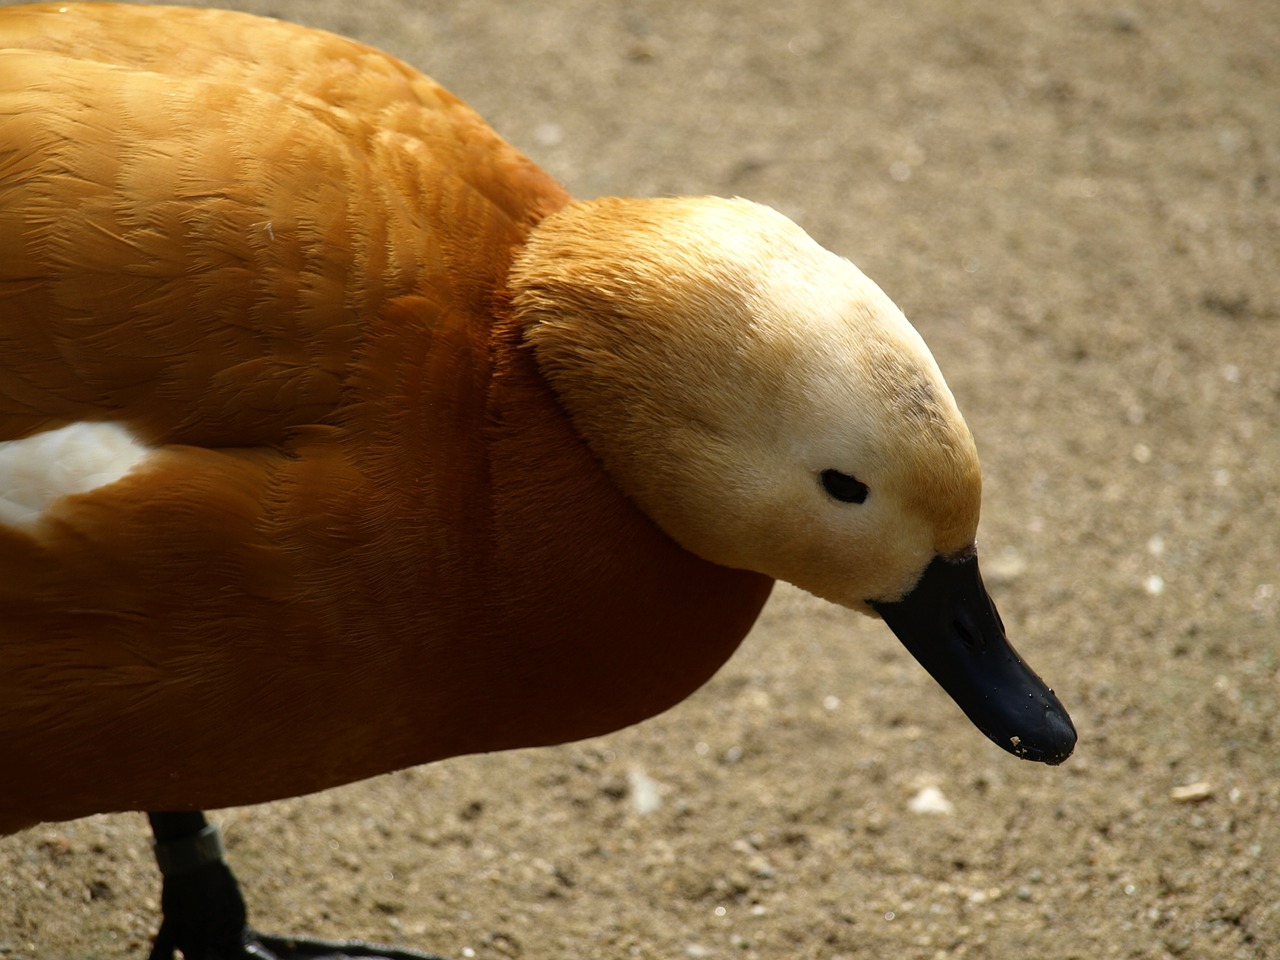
199 244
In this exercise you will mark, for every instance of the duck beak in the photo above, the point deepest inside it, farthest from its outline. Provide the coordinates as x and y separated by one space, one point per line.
950 625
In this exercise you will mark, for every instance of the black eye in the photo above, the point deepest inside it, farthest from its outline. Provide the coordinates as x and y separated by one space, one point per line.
843 487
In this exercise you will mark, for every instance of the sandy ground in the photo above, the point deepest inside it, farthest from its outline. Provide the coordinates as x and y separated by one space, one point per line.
1076 203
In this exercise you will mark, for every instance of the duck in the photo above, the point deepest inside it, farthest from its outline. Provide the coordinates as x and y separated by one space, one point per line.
336 437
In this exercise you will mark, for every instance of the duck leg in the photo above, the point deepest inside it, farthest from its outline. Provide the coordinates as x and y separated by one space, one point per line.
204 914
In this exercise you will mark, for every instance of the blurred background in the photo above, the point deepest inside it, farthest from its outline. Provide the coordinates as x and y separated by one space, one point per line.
1076 204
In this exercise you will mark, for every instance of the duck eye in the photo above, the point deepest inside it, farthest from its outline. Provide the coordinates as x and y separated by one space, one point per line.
843 487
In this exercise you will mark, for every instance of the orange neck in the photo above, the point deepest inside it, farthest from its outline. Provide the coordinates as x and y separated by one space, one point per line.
608 620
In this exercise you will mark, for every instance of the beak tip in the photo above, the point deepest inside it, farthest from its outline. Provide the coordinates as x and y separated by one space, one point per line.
1062 737
1052 743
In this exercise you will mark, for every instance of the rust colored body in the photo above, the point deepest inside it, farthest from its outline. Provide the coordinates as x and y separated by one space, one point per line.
368 536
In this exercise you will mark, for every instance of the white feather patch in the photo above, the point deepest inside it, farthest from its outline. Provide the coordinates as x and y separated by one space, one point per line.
77 458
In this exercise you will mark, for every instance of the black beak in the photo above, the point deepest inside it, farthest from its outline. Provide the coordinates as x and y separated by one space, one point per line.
950 625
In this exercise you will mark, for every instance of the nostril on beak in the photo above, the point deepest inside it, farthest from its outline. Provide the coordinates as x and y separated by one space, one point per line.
964 632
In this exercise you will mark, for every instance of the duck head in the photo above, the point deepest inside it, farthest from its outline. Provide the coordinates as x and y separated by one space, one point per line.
771 409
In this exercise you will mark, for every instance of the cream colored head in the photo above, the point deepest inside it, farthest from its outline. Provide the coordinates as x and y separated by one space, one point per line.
718 361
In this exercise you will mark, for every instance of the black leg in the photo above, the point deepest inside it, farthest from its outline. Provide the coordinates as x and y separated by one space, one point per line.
204 913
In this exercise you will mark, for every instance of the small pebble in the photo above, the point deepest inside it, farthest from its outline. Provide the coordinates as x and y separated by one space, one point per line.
646 792
931 800
1192 792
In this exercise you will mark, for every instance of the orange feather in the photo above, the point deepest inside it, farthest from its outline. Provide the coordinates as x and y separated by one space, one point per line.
370 538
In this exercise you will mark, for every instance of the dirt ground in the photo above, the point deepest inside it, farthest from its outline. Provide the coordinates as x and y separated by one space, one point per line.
1076 203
